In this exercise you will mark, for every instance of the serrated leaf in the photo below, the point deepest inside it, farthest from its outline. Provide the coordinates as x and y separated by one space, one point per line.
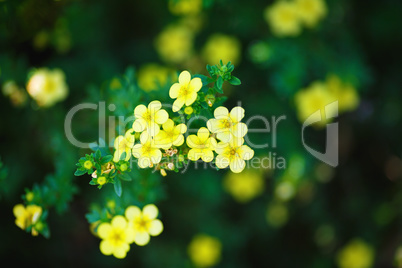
117 187
234 81
79 172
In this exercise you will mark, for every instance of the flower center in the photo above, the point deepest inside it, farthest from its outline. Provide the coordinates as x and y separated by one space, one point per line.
184 91
147 116
227 123
116 238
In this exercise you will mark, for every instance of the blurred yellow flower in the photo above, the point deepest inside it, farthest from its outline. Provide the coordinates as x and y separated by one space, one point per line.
221 47
149 118
146 151
202 146
314 98
27 216
356 254
123 144
233 154
170 135
18 97
175 44
47 87
311 11
245 186
227 125
154 76
204 250
144 223
185 7
116 237
283 18
277 214
185 91
346 94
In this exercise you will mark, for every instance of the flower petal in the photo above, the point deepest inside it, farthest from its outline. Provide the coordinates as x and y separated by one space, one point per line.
19 210
155 228
139 125
190 98
150 211
224 136
194 154
141 238
222 161
144 162
239 130
184 78
168 125
181 128
179 140
195 84
174 90
152 129
121 252
203 134
117 141
104 230
221 112
237 114
154 106
106 247
193 141
119 222
132 212
161 116
246 152
207 155
140 110
237 165
177 104
156 156
137 150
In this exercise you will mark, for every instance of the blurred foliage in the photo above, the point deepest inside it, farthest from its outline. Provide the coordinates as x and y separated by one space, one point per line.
308 215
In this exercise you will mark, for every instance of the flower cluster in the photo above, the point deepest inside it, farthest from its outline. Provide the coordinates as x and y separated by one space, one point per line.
28 218
319 94
136 226
286 18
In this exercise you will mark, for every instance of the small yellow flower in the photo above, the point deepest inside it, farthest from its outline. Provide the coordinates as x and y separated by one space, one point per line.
311 11
101 180
226 124
347 97
204 250
123 144
88 164
185 91
175 44
116 237
222 47
149 118
144 223
356 254
202 146
245 186
283 18
170 135
154 76
233 154
146 152
29 196
27 217
314 98
185 7
47 87
188 110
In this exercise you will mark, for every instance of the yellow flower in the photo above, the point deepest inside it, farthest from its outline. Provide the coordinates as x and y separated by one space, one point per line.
245 186
123 144
222 47
188 110
202 146
204 250
144 223
314 98
233 154
154 76
226 124
101 180
27 217
149 118
185 7
185 91
283 18
170 135
175 44
356 254
47 87
311 11
146 152
346 95
116 237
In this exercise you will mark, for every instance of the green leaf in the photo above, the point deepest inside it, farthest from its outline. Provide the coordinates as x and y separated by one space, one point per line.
125 177
79 172
106 159
123 156
117 187
234 81
98 155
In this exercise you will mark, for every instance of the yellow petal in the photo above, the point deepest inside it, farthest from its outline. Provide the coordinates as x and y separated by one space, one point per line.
174 90
177 104
104 230
237 114
119 222
194 154
168 125
155 155
181 128
139 125
19 210
178 141
106 247
221 112
193 141
150 211
222 148
246 152
132 212
191 98
161 116
155 228
224 136
240 130
140 110
130 235
141 238
154 106
195 84
214 125
237 165
117 141
184 78
207 155
203 134
144 162
222 161
121 252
